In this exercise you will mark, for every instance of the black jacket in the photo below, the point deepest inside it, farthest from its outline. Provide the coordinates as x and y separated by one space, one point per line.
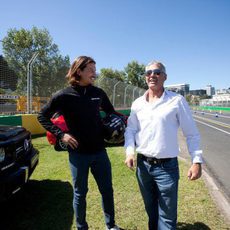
80 107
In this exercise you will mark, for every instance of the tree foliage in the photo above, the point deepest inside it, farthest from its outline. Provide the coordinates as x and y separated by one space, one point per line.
132 74
113 74
135 74
8 78
49 68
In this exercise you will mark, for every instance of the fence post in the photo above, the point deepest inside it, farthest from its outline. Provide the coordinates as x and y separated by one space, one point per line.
114 90
125 94
29 82
98 81
134 91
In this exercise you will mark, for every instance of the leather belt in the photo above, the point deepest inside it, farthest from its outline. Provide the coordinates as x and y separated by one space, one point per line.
153 160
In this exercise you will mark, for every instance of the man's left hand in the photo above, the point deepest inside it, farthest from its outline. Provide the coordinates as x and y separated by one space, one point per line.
195 171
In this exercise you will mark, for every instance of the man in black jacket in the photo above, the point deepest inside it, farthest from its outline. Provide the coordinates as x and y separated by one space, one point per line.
80 104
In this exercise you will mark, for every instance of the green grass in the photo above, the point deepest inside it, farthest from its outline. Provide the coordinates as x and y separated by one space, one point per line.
46 202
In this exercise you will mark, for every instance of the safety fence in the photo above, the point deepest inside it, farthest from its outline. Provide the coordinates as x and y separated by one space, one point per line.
120 94
25 89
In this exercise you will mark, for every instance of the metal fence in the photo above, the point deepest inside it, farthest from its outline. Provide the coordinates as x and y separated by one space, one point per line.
120 94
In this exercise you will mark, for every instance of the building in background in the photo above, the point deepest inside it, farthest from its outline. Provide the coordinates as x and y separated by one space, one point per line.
222 91
210 90
182 89
219 100
198 92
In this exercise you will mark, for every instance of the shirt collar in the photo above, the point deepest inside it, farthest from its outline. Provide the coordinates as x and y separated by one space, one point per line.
165 93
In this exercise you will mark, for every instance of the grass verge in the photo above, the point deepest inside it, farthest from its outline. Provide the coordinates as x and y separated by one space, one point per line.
46 202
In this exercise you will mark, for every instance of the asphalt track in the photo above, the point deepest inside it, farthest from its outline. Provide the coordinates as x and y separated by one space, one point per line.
215 142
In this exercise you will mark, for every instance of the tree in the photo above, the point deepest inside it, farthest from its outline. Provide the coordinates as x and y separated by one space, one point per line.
135 74
188 98
108 78
49 67
8 78
205 97
113 74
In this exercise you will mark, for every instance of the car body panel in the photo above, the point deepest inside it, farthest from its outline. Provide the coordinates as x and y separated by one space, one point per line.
20 160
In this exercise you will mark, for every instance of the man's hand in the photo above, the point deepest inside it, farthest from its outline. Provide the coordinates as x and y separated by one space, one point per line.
195 171
130 162
69 140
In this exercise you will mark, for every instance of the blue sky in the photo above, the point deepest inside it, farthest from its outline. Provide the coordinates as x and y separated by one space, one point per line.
191 37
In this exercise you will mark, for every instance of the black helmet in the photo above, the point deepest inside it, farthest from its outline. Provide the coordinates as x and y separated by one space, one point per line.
114 128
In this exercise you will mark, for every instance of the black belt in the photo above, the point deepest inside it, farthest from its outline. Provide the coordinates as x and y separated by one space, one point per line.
153 160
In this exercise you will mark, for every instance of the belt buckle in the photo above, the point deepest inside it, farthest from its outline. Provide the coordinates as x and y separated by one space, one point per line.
152 161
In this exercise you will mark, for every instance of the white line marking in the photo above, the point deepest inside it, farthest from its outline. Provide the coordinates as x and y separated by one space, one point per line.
213 121
212 126
211 114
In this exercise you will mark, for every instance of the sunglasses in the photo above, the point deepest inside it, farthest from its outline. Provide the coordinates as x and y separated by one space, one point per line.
154 72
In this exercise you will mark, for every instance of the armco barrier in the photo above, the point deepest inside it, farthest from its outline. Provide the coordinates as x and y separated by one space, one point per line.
11 120
30 122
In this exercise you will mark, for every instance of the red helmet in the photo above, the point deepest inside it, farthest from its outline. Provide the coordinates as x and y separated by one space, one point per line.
59 121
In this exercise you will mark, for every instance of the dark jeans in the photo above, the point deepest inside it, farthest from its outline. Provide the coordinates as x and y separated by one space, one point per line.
159 188
101 169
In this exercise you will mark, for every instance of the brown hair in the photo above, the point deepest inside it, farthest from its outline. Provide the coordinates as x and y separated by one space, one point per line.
79 63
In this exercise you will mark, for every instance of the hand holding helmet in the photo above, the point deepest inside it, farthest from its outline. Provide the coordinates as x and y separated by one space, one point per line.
59 121
114 128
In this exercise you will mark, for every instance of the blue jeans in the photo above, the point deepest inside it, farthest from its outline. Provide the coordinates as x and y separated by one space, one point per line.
101 169
158 184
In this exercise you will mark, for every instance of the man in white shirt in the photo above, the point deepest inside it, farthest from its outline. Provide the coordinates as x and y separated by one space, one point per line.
152 131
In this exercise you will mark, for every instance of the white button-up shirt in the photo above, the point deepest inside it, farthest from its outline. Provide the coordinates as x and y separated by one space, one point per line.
153 127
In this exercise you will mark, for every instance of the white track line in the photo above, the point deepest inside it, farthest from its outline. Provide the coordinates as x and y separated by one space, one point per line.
212 126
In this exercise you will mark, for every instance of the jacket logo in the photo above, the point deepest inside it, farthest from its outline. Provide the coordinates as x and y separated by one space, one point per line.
95 98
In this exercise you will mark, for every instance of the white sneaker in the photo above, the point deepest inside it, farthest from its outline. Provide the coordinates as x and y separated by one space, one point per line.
113 228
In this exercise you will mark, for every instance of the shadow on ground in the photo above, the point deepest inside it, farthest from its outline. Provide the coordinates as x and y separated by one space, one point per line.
195 226
183 226
40 205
